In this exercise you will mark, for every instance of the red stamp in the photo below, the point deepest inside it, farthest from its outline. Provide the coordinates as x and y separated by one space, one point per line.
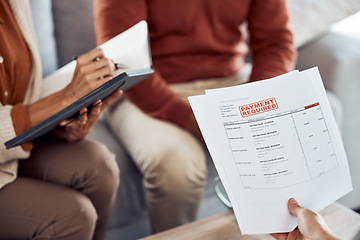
258 107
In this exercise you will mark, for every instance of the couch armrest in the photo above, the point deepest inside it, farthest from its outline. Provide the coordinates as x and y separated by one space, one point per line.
338 57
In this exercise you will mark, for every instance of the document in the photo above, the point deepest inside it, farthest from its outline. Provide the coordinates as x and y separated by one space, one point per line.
272 140
129 49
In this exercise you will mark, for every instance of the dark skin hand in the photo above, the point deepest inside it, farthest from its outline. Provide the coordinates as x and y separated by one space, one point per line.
92 70
88 75
75 130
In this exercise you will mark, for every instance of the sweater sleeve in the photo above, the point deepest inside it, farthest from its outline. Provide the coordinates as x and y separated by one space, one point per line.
271 39
21 121
153 96
7 132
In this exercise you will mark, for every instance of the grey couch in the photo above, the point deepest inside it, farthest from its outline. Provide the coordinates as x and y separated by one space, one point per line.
65 29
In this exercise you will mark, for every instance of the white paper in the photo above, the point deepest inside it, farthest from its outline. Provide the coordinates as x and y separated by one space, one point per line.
130 49
272 140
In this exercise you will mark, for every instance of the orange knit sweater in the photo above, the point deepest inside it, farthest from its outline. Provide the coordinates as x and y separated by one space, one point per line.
199 39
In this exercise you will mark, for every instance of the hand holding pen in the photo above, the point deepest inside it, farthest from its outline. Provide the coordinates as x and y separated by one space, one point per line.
93 69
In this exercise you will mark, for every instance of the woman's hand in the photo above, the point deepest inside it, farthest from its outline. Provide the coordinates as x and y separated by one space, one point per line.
92 70
75 130
310 225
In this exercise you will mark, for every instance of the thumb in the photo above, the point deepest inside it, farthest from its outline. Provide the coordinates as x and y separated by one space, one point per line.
293 206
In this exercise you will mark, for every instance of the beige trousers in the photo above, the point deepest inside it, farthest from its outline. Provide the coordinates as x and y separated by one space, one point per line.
64 191
171 159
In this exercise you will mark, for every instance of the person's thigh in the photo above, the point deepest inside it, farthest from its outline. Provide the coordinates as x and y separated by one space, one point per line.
69 164
151 141
32 209
171 160
85 166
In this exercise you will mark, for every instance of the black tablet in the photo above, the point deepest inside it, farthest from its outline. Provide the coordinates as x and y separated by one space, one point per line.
123 81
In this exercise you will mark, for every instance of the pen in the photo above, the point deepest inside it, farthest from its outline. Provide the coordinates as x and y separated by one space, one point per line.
117 65
120 66
76 57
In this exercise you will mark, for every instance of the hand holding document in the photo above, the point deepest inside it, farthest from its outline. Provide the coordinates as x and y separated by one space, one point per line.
272 140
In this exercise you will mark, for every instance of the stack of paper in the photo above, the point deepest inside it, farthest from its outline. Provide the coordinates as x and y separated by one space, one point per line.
272 140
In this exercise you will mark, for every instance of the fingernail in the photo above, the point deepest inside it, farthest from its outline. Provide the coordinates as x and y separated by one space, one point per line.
292 201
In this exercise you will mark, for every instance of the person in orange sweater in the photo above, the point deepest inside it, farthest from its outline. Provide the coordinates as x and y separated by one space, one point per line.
195 45
62 185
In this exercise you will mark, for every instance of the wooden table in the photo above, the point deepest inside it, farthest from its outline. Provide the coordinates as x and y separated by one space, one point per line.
342 220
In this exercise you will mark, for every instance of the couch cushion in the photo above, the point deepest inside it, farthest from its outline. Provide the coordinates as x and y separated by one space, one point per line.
74 28
312 18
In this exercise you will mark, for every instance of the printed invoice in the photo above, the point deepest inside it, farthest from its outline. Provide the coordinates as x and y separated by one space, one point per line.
272 140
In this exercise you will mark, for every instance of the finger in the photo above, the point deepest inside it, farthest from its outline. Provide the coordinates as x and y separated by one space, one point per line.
101 74
97 102
64 123
96 109
96 53
93 115
101 63
279 236
108 101
294 207
82 117
94 81
98 69
109 64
